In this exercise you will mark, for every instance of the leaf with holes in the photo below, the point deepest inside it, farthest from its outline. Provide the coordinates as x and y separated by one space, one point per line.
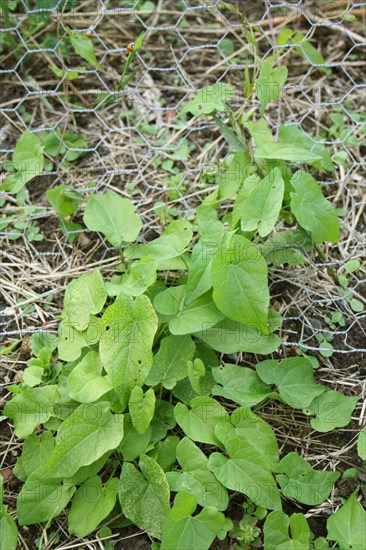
84 296
128 329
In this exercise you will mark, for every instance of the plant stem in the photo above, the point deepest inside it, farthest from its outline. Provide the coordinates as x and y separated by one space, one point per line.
330 268
10 37
120 250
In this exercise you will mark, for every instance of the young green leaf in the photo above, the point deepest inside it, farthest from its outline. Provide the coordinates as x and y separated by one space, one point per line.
240 384
200 383
285 151
83 438
199 422
199 276
62 201
91 503
144 496
170 301
32 376
347 525
35 454
128 329
191 318
299 481
136 281
172 243
231 180
8 528
141 407
85 382
292 134
262 207
361 444
164 452
30 408
133 443
308 52
85 472
182 530
209 99
42 499
83 46
195 478
240 285
286 247
163 421
230 336
247 477
228 134
269 83
312 211
260 132
249 437
27 163
294 378
332 410
71 341
113 216
281 531
170 362
6 350
84 296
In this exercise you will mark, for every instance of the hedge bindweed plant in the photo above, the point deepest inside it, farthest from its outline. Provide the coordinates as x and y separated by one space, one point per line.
128 409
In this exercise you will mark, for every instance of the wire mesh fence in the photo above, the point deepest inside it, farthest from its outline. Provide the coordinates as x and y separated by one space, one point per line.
132 140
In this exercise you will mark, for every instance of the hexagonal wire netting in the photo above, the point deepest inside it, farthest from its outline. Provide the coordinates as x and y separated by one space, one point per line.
138 146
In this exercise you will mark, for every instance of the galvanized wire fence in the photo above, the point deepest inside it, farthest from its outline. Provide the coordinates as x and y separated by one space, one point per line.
132 140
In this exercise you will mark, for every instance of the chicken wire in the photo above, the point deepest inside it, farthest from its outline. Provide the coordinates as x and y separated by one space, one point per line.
188 45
